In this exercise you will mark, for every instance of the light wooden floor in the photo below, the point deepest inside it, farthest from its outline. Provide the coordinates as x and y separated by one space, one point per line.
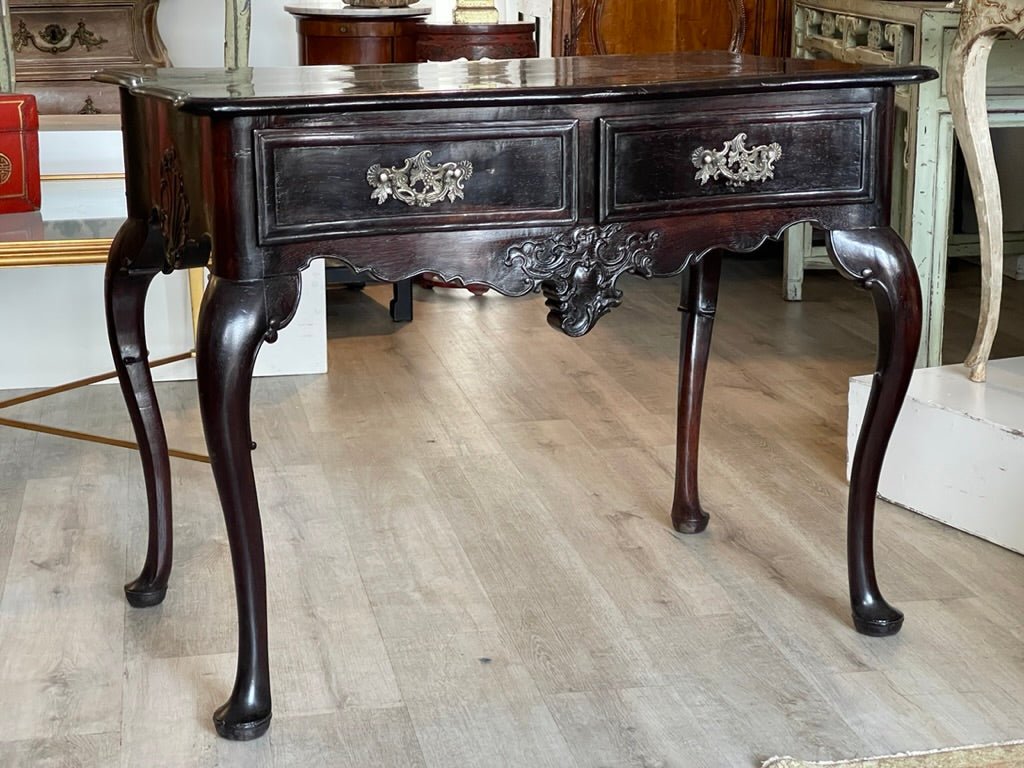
471 564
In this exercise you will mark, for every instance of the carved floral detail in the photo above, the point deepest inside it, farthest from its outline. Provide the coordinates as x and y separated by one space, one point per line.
577 270
875 35
989 14
418 183
753 164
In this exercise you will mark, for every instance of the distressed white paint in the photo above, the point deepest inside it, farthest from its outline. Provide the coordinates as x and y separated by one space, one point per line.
957 454
980 24
921 213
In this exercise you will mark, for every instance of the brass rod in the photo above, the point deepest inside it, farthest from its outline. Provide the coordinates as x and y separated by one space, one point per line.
42 252
81 176
85 382
96 439
196 287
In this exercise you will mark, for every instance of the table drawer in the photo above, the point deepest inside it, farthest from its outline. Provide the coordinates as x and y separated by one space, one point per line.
73 43
335 181
658 164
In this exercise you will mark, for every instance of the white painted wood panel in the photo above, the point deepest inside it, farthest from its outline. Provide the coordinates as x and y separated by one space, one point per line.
957 454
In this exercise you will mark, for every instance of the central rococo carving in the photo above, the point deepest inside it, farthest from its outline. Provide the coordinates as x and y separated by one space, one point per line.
577 270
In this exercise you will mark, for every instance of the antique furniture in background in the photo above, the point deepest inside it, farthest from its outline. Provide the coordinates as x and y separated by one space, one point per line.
237 31
900 33
538 12
980 24
523 175
340 35
584 27
504 40
329 34
475 12
336 34
59 45
19 153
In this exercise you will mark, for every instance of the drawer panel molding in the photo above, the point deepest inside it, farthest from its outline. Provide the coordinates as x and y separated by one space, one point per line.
341 180
647 162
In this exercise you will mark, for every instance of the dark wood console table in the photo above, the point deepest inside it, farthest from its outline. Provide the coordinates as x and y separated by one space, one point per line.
539 174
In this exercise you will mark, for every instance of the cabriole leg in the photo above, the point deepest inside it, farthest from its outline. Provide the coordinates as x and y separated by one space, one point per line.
968 66
699 299
879 262
125 303
235 318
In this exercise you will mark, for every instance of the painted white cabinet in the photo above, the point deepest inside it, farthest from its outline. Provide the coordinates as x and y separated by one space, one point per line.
910 32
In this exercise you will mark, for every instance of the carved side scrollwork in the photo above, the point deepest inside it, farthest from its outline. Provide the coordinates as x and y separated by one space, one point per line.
577 270
173 217
54 39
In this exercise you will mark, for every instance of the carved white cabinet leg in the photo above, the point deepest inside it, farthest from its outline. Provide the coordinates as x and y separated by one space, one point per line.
796 251
981 22
237 25
901 32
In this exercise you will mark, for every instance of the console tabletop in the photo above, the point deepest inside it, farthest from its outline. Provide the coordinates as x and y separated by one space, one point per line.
551 175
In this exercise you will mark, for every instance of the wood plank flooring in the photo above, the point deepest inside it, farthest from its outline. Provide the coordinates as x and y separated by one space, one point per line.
470 561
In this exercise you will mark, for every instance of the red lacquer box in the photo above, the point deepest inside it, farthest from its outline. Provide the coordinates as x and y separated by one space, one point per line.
19 153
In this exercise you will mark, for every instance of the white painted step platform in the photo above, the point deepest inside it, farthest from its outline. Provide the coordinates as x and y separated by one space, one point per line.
957 454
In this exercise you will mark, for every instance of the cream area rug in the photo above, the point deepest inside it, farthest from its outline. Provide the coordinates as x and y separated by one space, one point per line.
1006 755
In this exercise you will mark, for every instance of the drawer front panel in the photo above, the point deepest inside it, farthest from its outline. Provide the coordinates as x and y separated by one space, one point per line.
75 98
653 165
319 183
51 44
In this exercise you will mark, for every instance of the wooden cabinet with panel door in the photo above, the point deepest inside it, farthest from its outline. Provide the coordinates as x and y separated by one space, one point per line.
584 27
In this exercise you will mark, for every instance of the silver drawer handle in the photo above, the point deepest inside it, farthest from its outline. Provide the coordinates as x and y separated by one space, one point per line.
754 164
435 182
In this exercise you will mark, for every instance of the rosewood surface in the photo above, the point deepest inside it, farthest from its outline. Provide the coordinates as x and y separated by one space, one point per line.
554 175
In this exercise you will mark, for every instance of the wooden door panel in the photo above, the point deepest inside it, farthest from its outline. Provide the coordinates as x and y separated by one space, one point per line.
586 27
640 26
706 24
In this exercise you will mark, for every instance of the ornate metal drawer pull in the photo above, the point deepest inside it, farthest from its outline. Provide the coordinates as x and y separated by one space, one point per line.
54 39
436 182
754 164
